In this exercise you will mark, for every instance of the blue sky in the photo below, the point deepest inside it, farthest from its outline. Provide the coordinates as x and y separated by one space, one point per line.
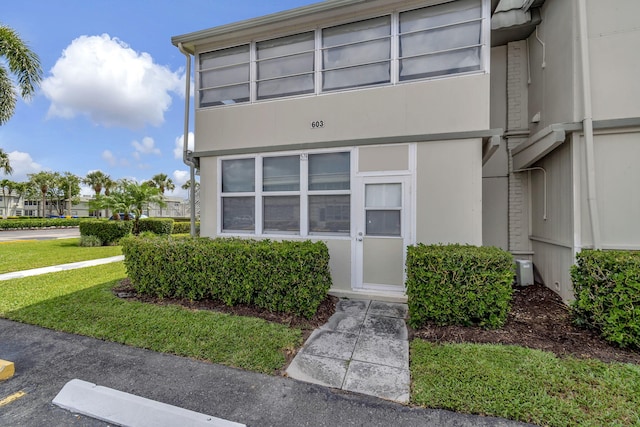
112 98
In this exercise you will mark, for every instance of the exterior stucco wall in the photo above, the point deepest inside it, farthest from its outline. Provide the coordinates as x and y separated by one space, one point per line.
449 192
552 224
495 173
614 38
618 198
454 104
552 67
208 196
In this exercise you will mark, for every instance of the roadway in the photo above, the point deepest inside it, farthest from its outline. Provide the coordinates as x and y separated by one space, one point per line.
39 234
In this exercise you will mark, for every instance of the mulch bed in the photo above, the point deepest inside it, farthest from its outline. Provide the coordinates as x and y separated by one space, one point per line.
538 319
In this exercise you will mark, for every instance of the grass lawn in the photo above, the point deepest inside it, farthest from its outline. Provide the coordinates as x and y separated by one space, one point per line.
505 381
526 385
80 302
24 255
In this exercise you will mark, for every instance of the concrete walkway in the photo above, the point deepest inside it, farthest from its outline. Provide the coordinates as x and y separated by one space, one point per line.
362 348
61 267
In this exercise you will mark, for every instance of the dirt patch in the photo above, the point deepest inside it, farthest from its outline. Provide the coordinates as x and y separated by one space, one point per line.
538 319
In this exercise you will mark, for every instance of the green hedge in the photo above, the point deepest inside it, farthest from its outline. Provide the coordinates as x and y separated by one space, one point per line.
109 232
156 225
607 291
458 285
286 277
12 224
185 227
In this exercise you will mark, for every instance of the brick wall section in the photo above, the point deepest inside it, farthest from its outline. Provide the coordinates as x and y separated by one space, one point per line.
517 126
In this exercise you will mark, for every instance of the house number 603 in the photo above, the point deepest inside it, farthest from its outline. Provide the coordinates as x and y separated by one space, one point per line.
317 124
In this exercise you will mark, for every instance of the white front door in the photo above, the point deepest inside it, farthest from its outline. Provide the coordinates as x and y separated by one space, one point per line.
382 225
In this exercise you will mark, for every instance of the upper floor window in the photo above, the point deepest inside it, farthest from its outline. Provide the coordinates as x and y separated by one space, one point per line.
224 76
357 54
439 40
286 66
432 41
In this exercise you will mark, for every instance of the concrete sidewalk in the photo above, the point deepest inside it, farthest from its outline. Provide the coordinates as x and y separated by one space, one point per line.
362 348
61 267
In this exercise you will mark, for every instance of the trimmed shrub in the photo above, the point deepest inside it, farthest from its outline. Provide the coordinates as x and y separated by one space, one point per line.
607 291
185 228
156 225
90 241
285 277
109 232
459 285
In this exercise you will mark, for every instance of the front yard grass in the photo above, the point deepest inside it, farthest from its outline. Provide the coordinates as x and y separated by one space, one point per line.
81 302
495 380
525 385
24 255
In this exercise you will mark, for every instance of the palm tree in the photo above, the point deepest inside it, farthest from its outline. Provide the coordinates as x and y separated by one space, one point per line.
96 180
187 185
130 196
108 184
42 181
23 64
7 187
68 188
4 163
23 189
162 182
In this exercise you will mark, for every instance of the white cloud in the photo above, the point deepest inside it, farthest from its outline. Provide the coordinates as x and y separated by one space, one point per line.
112 159
108 157
22 165
179 145
179 177
147 146
103 78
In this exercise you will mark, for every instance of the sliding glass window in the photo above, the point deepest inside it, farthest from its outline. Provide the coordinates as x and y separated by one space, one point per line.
286 66
356 54
224 76
440 40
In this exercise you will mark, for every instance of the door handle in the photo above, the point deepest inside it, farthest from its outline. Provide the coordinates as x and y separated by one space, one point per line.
359 239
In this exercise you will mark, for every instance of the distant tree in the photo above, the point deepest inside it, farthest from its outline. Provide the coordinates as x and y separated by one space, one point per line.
4 163
108 185
7 187
66 188
130 196
24 189
97 180
43 181
21 63
162 182
187 185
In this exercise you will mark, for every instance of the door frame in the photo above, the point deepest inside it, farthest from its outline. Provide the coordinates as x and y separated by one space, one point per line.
407 223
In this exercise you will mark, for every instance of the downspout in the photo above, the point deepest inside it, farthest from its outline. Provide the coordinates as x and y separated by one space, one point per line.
587 126
186 154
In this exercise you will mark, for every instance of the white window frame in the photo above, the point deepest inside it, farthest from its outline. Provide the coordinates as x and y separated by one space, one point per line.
303 193
484 45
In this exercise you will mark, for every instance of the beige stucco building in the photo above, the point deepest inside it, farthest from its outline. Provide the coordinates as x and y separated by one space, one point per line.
373 125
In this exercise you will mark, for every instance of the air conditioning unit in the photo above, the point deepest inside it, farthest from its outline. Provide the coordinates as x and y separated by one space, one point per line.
524 272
